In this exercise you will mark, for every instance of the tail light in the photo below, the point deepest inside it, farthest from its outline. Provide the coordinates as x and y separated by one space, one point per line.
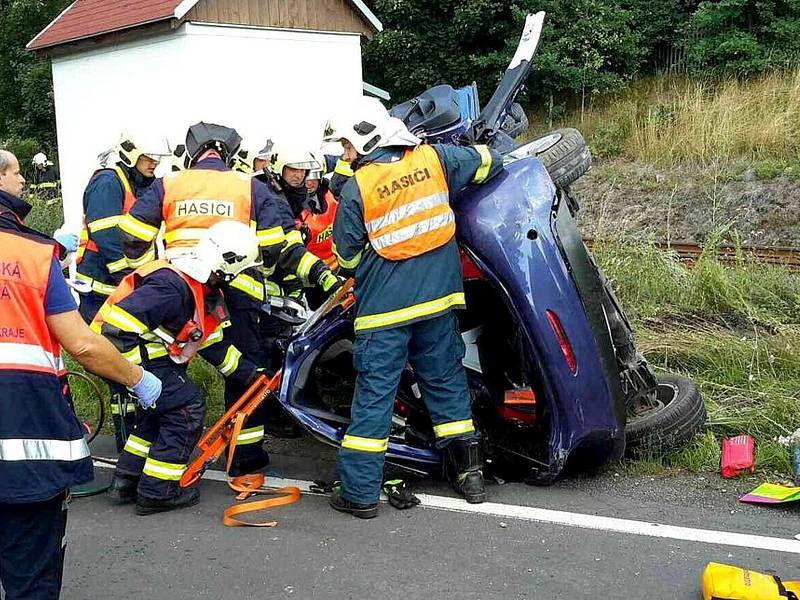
563 341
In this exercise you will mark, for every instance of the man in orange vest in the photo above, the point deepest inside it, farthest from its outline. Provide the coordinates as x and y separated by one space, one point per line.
42 449
395 229
162 315
208 192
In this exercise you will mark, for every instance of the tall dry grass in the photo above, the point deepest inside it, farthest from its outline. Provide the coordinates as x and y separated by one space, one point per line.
672 120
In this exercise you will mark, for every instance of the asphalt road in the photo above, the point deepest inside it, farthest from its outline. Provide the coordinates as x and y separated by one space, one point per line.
426 552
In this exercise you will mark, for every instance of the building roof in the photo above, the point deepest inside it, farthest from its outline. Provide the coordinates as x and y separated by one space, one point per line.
84 19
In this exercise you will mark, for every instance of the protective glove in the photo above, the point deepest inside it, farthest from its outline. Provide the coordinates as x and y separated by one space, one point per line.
330 283
147 391
399 495
68 240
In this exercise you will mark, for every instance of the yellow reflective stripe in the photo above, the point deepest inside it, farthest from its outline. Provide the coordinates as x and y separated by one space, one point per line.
343 168
486 164
273 289
270 237
249 285
122 319
363 444
185 234
306 264
294 237
231 361
138 229
146 258
130 408
453 428
412 312
117 265
97 287
216 336
134 356
163 470
123 179
137 446
252 435
105 223
155 351
347 264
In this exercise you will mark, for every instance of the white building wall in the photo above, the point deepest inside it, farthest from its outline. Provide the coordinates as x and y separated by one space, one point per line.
265 82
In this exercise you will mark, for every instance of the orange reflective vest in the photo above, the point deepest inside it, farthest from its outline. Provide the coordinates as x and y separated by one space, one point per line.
182 347
26 343
406 204
196 199
85 242
320 232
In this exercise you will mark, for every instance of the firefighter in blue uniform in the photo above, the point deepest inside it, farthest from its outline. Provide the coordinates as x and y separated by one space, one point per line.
189 202
101 264
162 315
395 229
42 448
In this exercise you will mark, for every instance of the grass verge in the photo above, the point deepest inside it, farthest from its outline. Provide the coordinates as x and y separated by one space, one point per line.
733 330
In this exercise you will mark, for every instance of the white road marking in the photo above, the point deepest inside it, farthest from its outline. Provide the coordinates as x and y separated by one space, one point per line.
567 519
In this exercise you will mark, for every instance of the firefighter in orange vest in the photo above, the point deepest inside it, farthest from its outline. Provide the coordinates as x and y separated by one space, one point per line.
208 192
101 263
395 229
161 316
42 448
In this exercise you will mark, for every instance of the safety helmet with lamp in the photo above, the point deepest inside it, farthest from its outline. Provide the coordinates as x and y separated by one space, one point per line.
226 249
367 125
243 161
180 160
202 137
292 156
132 147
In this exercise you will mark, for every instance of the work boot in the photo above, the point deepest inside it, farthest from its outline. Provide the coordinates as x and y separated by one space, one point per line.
463 462
184 498
362 511
122 489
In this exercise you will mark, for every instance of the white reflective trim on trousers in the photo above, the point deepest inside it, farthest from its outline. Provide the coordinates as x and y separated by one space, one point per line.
407 210
412 231
29 355
64 450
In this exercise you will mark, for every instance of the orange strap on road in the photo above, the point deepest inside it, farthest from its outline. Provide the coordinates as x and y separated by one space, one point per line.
248 485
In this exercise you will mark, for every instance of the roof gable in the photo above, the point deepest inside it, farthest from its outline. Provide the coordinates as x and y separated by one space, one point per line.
85 19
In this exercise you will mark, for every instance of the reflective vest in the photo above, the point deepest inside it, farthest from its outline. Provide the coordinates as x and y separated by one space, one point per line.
406 204
196 199
180 346
85 242
320 232
42 449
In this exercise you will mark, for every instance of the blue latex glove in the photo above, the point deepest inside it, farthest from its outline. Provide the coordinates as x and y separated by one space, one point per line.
148 390
68 240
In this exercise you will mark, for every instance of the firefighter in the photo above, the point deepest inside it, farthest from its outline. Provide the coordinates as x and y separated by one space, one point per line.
111 192
42 448
45 177
125 171
161 316
208 192
395 228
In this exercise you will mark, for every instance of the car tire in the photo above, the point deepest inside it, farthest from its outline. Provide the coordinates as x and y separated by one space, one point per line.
680 416
565 155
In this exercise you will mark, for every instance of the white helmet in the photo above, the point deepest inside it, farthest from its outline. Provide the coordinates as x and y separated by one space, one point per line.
40 160
242 161
318 172
131 147
367 125
291 155
227 249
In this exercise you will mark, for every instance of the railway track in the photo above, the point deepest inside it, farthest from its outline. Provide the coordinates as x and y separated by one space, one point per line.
690 253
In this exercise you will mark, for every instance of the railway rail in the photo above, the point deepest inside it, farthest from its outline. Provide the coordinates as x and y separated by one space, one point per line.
689 253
